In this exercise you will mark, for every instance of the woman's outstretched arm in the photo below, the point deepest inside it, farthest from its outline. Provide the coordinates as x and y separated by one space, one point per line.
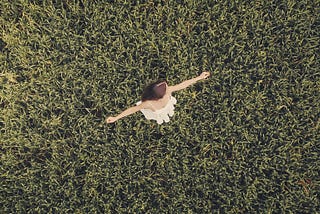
189 82
127 112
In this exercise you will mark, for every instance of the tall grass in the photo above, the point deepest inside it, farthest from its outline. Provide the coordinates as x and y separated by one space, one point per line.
246 140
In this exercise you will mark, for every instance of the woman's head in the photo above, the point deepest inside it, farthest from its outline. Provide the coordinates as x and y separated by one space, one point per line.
154 91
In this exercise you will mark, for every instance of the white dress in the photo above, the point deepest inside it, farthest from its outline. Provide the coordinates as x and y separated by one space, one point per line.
160 115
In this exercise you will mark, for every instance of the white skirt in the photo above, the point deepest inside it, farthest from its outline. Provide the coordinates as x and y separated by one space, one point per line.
161 114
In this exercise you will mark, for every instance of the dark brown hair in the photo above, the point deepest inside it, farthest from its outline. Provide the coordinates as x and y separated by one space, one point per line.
154 91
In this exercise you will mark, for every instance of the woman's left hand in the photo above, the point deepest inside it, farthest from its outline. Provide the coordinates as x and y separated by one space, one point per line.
111 119
204 75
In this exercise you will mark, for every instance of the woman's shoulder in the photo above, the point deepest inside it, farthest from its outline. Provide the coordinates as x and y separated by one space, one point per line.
170 89
144 104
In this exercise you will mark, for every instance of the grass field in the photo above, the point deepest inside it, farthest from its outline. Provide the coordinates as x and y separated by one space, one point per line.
244 141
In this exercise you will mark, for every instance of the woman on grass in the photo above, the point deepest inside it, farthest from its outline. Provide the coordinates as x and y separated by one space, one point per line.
157 103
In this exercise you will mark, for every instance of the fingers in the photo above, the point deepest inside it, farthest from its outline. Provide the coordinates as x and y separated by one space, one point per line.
205 74
110 120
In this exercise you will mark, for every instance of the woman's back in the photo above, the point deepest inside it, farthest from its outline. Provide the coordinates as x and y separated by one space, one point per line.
161 103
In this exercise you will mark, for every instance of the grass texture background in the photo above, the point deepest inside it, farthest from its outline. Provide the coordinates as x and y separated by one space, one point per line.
246 140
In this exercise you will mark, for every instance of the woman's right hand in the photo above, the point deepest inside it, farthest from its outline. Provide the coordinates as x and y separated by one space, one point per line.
111 119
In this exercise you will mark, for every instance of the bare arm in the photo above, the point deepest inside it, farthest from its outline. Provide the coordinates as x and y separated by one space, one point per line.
126 112
189 82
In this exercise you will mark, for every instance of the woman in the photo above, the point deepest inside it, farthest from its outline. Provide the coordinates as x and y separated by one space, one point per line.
157 103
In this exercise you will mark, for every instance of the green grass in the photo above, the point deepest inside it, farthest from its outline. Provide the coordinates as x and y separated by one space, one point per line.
246 140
